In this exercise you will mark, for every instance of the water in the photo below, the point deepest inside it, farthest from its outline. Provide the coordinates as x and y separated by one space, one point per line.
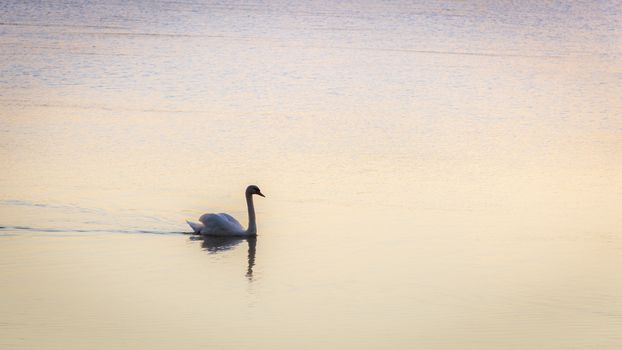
438 176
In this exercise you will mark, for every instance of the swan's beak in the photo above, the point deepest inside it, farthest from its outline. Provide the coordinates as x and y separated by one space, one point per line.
261 194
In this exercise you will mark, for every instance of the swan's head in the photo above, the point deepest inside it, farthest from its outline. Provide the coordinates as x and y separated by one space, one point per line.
252 189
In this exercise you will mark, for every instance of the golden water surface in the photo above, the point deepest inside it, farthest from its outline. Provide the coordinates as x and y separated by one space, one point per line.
438 175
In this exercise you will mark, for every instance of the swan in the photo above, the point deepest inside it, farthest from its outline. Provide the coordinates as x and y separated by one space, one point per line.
224 224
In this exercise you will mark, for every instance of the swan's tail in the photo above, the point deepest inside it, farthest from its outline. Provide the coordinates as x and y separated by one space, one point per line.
195 227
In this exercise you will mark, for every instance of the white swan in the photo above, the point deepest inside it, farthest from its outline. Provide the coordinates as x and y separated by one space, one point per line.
224 224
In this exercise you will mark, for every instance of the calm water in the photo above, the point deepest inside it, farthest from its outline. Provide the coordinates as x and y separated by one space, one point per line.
438 176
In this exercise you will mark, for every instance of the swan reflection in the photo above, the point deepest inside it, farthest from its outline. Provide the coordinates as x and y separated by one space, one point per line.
215 245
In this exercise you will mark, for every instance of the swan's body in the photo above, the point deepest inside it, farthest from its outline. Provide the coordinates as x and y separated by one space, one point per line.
224 224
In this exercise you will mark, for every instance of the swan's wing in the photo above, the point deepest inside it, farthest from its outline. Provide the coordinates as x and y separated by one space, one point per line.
205 217
220 224
230 218
212 218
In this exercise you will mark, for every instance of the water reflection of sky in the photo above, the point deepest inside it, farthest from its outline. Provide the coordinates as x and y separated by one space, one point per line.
439 175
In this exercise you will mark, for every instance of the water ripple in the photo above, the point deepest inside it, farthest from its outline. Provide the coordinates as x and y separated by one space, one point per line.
54 230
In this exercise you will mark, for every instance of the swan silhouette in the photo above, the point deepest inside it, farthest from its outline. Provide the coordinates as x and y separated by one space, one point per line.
224 224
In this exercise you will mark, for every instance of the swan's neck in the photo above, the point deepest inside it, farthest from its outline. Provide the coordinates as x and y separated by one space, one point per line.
252 225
